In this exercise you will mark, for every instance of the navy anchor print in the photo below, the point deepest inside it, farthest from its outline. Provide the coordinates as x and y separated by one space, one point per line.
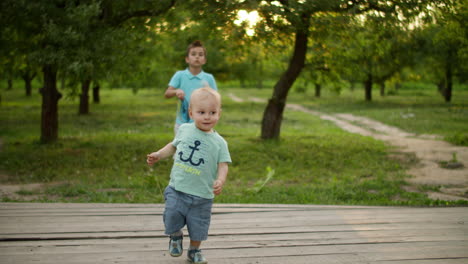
189 159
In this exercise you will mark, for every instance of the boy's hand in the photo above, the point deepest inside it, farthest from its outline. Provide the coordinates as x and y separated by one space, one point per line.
218 187
153 158
180 94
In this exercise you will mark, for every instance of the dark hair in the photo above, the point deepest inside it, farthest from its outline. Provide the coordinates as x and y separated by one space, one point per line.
195 44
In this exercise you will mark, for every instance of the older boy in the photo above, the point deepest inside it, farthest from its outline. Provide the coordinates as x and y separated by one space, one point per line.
183 83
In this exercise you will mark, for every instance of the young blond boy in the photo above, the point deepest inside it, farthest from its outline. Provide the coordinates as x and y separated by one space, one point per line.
198 174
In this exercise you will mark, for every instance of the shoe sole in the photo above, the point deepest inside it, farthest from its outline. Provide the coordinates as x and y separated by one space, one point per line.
206 262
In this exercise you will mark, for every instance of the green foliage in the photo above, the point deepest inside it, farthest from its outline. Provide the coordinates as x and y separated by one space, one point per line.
459 138
443 45
141 44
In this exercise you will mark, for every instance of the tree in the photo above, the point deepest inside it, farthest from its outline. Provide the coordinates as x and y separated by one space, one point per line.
121 34
326 40
294 17
445 46
377 48
62 32
211 22
27 73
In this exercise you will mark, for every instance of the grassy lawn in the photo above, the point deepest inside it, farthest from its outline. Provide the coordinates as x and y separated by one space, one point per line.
101 157
415 108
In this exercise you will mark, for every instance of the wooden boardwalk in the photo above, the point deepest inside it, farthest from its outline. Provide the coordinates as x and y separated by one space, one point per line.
133 233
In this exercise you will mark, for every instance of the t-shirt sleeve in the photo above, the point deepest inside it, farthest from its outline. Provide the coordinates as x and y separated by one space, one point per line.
175 80
178 136
224 155
212 82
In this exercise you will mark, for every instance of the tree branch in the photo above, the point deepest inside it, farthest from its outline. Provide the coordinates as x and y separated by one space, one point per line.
121 18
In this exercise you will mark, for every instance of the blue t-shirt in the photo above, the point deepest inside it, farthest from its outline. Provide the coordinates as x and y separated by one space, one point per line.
196 160
188 82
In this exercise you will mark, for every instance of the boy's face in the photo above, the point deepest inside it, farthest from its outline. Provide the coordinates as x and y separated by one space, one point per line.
196 57
205 113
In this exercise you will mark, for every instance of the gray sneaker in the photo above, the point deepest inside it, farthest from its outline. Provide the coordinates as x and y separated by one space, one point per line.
195 256
175 246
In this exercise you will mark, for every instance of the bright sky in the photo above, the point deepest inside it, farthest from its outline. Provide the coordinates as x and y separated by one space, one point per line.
250 17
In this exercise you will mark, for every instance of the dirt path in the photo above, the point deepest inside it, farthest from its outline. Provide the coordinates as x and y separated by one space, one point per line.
428 150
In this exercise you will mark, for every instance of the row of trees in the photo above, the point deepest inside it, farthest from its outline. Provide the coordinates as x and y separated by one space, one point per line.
142 42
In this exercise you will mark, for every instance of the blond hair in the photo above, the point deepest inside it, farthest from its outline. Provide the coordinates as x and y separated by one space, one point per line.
205 93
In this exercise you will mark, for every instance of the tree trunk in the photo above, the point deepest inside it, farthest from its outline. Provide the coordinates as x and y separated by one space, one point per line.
397 86
28 77
260 74
448 89
50 98
273 115
28 86
448 79
84 98
382 89
9 76
368 87
318 89
441 87
242 83
96 96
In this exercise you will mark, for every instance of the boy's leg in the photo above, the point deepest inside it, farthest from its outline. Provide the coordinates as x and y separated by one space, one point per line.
195 244
198 223
199 218
174 221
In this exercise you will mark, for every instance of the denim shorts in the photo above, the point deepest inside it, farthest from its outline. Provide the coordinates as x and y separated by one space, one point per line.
184 209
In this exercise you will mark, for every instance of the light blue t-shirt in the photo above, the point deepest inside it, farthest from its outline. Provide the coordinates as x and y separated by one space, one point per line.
196 160
188 82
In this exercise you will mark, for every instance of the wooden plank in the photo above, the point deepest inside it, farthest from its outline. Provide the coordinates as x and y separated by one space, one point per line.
117 222
261 241
306 216
367 235
95 232
369 253
33 210
218 208
154 257
427 261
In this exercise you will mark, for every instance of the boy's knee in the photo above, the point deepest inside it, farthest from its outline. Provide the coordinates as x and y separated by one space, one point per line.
173 221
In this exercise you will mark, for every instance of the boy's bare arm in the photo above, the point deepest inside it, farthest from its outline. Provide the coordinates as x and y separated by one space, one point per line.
171 92
165 152
222 176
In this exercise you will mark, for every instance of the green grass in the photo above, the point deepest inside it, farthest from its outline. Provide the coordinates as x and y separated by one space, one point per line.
101 157
416 108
